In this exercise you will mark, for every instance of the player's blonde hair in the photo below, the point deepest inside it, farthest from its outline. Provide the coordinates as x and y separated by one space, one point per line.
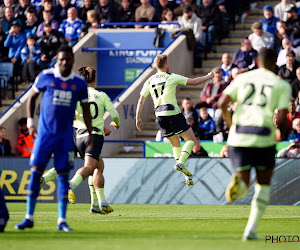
160 61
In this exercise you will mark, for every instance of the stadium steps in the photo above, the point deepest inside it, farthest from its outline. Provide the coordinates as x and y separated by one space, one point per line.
7 102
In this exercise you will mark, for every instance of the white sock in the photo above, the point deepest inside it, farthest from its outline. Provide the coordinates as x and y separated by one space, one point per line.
50 175
259 203
29 217
60 220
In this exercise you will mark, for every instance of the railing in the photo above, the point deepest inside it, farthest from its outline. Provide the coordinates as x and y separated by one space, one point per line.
128 141
103 25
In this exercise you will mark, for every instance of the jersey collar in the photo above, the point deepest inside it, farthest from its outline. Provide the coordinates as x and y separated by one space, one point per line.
58 75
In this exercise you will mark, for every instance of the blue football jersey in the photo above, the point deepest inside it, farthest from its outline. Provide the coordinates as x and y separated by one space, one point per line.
60 95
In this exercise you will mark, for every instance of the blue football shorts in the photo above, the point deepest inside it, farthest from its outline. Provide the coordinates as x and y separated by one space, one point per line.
62 147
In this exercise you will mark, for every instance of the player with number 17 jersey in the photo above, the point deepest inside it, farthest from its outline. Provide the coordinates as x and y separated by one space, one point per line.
162 88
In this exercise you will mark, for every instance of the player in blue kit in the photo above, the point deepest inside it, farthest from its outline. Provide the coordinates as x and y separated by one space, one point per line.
4 215
61 88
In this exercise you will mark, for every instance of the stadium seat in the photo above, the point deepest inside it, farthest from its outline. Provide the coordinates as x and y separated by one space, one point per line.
6 76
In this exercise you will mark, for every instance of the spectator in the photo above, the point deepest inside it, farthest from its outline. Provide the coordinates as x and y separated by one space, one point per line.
3 50
293 22
178 11
245 57
280 135
125 13
297 102
291 151
206 124
9 19
224 151
5 148
227 67
187 109
82 12
279 35
197 150
288 71
296 84
280 9
25 140
47 5
286 47
6 4
20 9
168 16
140 26
292 114
162 5
29 55
269 21
50 41
31 23
259 38
212 91
71 27
209 14
295 134
60 12
15 41
93 21
145 10
190 20
47 17
107 11
37 4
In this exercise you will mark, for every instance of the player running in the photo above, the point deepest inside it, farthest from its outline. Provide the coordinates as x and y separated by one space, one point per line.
162 88
98 102
251 137
61 88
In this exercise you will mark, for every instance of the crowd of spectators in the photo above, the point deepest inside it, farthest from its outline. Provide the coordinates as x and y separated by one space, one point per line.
55 22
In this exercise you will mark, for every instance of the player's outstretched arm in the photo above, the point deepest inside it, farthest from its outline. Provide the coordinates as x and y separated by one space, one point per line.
223 105
30 110
109 106
139 109
198 80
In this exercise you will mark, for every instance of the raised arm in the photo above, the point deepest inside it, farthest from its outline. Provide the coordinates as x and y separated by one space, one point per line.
88 122
201 79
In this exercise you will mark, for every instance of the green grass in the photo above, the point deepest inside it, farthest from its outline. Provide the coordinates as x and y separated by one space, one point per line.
152 227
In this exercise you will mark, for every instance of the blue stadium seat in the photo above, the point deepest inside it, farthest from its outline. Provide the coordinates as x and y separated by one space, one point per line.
6 77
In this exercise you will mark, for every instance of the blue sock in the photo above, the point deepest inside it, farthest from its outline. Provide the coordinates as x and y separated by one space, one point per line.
62 194
3 209
33 191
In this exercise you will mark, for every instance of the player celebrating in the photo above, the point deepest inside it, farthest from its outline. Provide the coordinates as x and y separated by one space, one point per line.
251 137
162 88
98 102
61 88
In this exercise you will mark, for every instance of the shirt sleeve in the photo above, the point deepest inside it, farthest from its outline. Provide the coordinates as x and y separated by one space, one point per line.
232 89
182 80
145 90
108 105
285 93
39 83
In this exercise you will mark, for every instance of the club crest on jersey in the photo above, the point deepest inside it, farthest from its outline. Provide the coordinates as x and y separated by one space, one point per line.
63 85
52 84
73 87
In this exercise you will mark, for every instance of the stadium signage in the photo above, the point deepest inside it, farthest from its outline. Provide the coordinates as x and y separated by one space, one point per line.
134 52
15 185
281 238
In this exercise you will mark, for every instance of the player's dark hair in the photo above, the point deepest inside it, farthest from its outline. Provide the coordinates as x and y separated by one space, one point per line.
65 48
88 73
267 58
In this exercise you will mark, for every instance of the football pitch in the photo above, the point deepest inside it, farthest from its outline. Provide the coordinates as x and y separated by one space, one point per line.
152 227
